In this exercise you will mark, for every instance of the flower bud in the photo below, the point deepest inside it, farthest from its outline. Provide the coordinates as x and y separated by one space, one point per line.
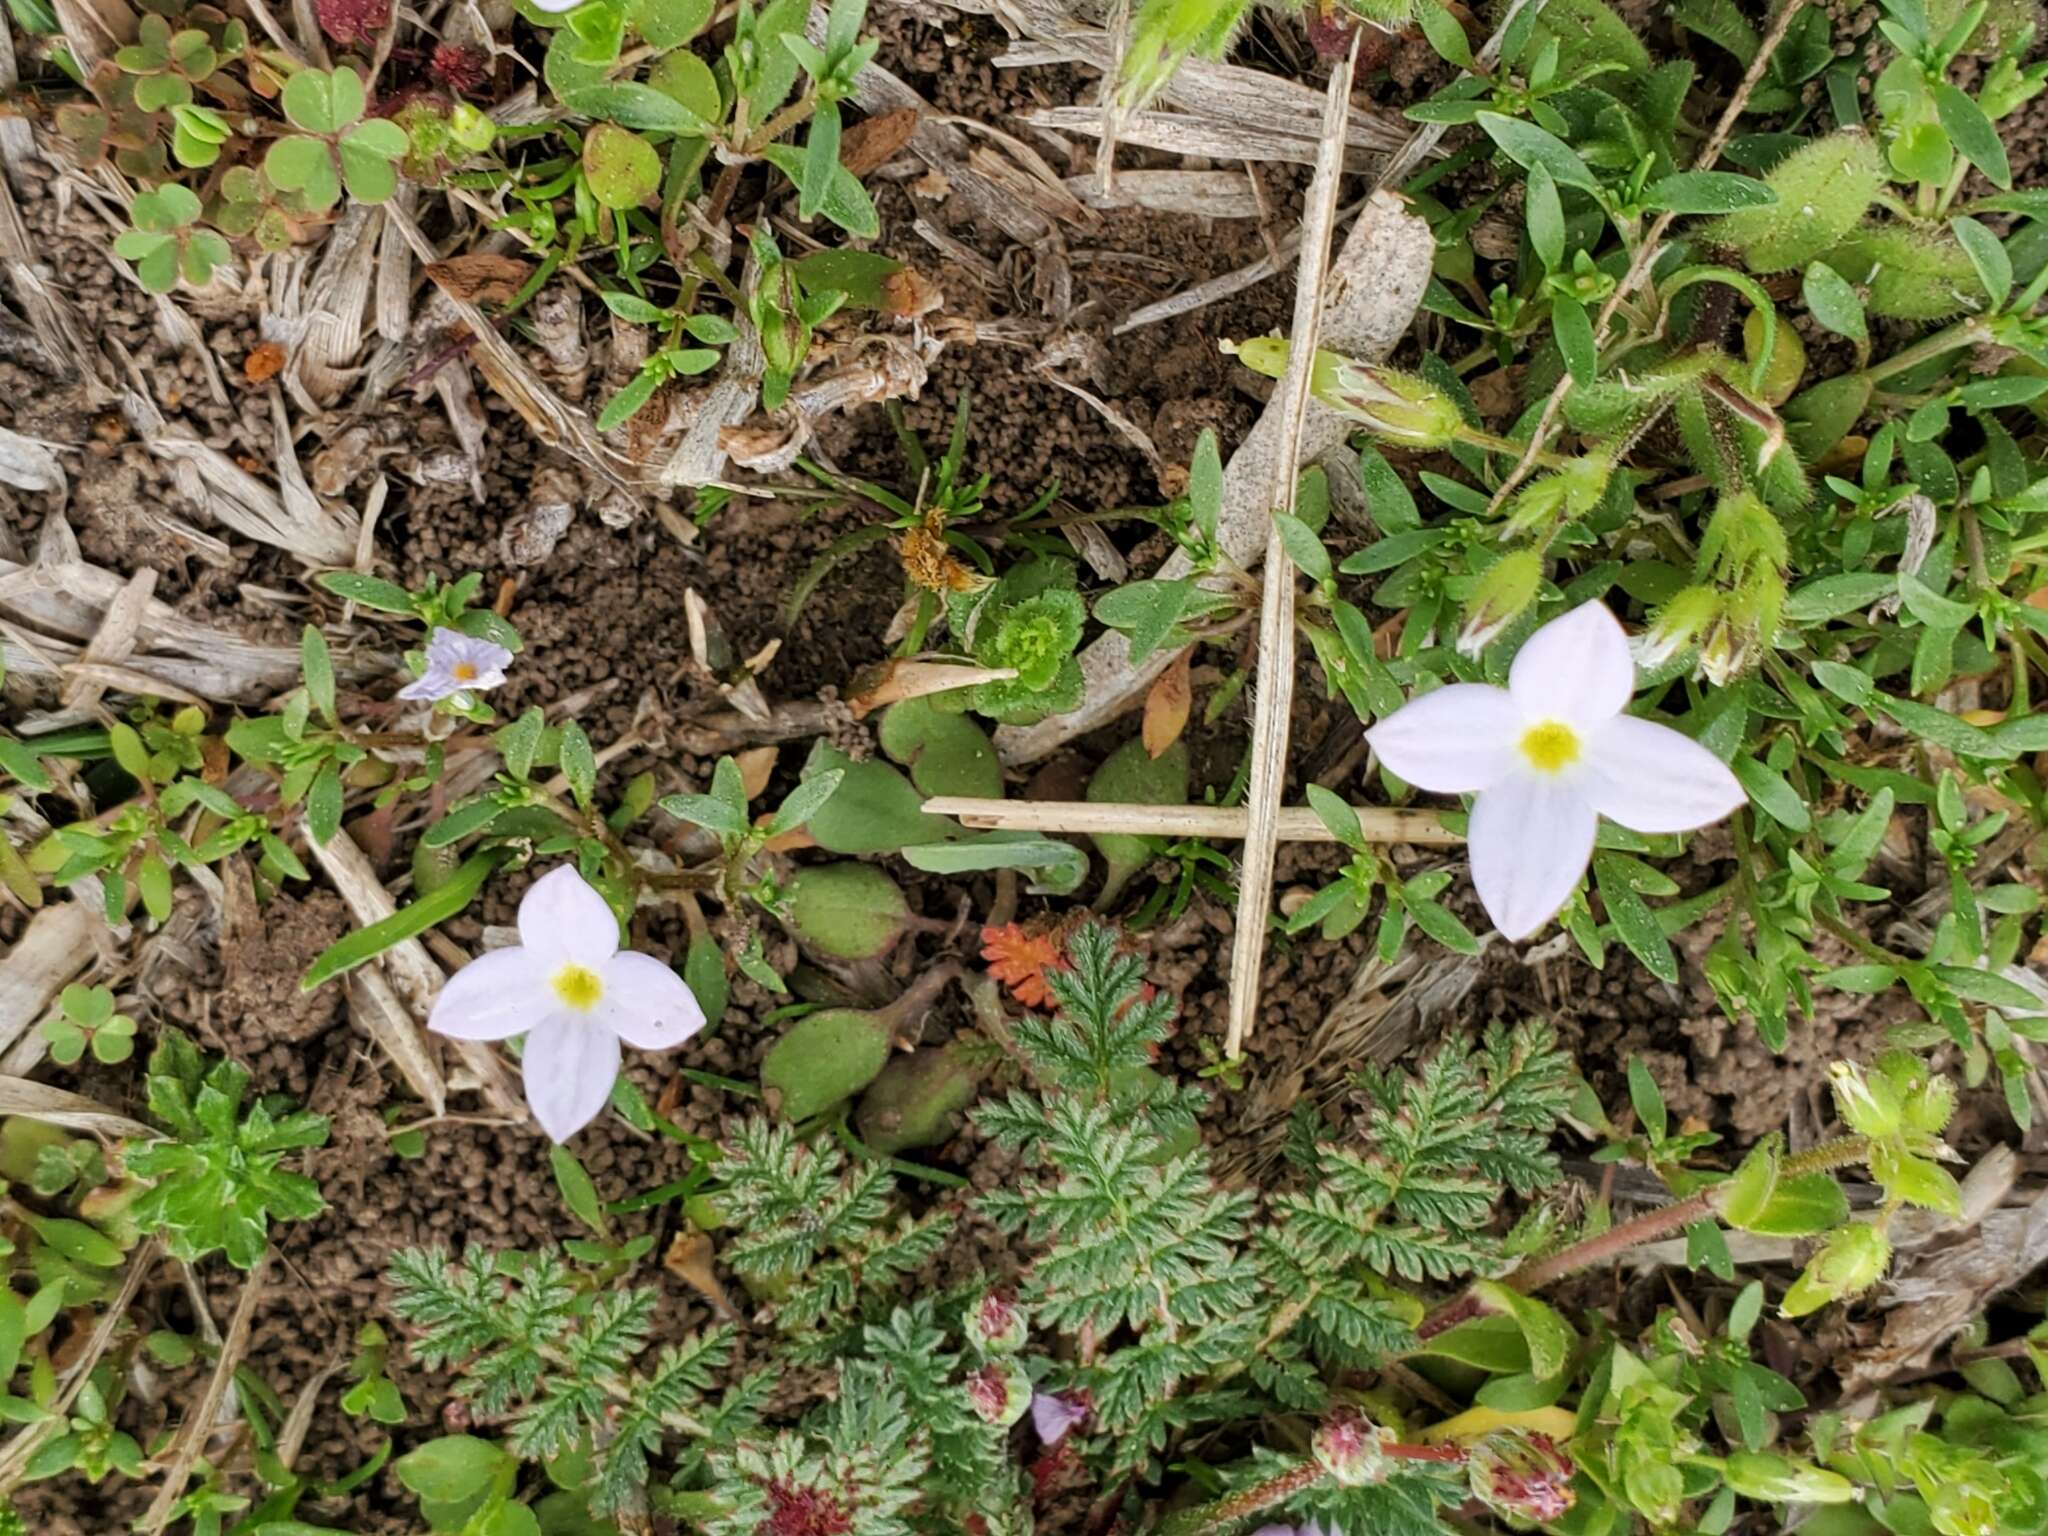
1681 624
1853 1259
1915 1180
1571 492
1869 1106
1522 1475
1503 593
1351 1448
1000 1392
1778 1479
1926 1099
996 1325
1403 408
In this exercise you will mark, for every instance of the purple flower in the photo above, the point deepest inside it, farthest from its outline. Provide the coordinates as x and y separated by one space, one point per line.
574 994
1054 1413
458 663
1306 1528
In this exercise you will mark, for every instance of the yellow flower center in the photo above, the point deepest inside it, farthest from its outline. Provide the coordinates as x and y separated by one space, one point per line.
464 672
578 987
1550 747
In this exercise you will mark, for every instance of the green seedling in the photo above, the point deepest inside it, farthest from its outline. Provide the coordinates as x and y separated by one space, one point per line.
85 1018
164 245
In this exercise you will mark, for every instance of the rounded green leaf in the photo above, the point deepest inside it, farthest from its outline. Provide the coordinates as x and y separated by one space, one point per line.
823 1060
847 911
688 80
295 164
671 23
622 168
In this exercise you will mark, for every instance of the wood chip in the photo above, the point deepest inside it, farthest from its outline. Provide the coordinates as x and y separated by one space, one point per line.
481 277
872 143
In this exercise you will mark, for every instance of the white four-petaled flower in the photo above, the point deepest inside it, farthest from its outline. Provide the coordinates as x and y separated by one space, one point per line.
574 994
1547 757
458 663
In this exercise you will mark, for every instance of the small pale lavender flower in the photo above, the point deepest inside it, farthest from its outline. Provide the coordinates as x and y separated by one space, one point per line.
1054 1413
574 994
1306 1528
458 663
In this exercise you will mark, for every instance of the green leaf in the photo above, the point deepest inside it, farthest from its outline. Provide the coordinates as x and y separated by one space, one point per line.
1549 1337
1707 192
708 812
451 1469
1337 815
805 801
844 200
1800 1206
624 172
324 804
634 105
407 922
322 100
319 668
1634 923
1445 34
578 1193
578 763
1987 255
1972 133
875 809
519 742
1833 302
129 751
368 591
704 974
1768 791
1573 329
1304 548
1648 1102
1058 867
671 23
1544 214
1527 145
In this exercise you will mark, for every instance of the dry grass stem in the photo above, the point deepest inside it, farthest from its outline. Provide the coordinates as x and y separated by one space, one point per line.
1292 824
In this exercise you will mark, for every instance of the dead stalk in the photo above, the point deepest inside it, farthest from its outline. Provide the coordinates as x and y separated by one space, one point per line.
1273 695
199 1424
1292 824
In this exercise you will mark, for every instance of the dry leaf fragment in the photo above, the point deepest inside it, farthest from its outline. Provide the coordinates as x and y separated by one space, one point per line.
755 765
909 294
689 1260
481 277
872 143
263 363
1166 705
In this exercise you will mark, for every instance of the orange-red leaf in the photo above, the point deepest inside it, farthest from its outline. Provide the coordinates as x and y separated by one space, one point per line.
1018 960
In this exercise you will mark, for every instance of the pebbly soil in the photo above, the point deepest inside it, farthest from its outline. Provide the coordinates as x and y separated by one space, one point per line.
602 615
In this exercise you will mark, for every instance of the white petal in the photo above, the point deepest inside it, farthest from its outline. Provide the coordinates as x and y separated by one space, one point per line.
570 1066
437 682
1575 669
646 1004
563 919
1452 741
1530 837
501 993
1650 778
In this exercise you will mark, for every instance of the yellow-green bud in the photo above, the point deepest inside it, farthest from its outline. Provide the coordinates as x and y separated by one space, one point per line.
1869 1106
1401 407
1502 594
1853 1260
1679 625
1915 1180
1778 1479
1823 188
